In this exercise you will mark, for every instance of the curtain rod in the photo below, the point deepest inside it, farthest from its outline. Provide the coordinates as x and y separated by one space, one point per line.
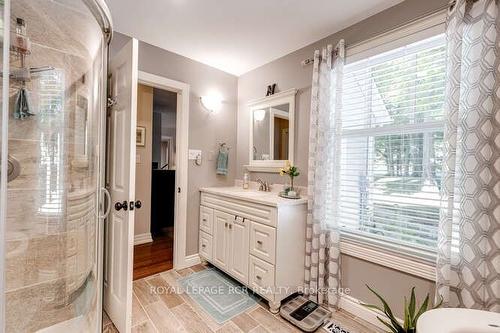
310 61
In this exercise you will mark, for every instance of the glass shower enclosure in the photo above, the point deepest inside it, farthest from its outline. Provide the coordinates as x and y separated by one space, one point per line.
52 138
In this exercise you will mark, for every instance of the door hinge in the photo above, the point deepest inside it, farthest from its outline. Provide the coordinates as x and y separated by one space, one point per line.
111 102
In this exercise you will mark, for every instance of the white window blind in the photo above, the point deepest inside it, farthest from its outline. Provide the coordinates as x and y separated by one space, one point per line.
392 147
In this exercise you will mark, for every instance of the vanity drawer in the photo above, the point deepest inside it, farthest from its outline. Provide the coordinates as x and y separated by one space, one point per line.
206 219
263 242
205 245
261 277
243 208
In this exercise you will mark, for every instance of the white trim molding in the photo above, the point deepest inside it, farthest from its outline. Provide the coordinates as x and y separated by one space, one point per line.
406 264
266 169
354 307
143 238
181 176
191 260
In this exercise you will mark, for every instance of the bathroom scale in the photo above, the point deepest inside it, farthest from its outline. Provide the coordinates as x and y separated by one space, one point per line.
304 313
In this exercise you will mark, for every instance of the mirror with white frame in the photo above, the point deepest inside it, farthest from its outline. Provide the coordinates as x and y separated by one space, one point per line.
271 131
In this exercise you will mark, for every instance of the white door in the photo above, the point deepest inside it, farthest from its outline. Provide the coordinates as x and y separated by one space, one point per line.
221 231
239 233
123 69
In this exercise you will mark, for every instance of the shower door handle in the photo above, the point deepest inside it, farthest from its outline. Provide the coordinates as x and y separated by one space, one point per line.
107 202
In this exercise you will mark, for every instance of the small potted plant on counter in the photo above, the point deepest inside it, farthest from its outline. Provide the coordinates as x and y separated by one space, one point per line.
411 314
292 171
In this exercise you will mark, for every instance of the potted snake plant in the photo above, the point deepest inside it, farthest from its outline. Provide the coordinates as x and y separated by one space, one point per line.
411 314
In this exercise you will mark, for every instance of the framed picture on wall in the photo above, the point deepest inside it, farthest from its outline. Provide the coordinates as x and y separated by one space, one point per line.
140 136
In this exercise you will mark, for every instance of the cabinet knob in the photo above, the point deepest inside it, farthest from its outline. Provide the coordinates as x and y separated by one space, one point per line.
204 245
225 224
230 226
259 242
204 220
258 277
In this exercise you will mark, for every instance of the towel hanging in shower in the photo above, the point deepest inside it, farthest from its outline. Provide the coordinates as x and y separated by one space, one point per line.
222 161
22 108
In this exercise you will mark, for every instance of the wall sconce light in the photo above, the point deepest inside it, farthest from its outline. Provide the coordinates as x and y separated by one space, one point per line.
259 115
211 102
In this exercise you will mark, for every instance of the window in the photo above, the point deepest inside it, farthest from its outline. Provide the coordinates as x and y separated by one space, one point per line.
392 147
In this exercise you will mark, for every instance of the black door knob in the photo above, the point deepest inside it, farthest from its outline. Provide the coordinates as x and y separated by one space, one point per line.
121 205
138 204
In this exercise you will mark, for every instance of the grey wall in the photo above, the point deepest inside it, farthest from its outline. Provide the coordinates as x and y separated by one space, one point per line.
288 73
205 129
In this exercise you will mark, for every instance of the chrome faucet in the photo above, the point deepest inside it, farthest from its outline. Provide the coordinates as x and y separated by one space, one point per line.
264 186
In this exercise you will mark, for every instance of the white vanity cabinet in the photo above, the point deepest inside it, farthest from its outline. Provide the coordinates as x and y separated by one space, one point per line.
257 238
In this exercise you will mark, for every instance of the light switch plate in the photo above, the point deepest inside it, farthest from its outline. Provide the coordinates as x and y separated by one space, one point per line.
194 154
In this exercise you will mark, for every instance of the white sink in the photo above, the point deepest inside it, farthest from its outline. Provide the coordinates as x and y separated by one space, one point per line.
453 320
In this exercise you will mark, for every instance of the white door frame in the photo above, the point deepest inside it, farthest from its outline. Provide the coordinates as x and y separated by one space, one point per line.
181 157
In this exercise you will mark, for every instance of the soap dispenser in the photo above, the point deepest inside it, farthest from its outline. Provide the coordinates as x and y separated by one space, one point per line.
246 181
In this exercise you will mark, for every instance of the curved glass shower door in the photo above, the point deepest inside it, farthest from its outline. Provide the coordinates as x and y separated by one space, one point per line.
53 233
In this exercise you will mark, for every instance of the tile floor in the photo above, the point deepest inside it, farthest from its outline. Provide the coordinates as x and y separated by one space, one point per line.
172 312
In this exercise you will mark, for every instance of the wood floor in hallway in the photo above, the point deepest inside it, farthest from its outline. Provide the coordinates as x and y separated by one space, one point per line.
156 257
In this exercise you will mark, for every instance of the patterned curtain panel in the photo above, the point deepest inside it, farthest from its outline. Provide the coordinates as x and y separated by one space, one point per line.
322 273
468 266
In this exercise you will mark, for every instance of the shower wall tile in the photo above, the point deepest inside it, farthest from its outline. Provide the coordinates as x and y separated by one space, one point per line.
51 164
42 259
26 217
42 164
68 28
46 304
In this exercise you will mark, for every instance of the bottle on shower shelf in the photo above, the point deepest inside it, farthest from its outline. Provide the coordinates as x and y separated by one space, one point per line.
20 43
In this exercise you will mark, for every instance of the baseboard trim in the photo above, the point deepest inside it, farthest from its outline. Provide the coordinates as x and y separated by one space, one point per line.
143 238
354 307
192 260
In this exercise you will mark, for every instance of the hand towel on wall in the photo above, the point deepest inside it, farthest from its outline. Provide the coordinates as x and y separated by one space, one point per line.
222 161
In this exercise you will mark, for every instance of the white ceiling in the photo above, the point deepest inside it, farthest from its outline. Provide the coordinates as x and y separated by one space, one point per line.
237 36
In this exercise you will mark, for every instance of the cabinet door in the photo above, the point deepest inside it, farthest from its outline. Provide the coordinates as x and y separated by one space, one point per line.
239 232
221 233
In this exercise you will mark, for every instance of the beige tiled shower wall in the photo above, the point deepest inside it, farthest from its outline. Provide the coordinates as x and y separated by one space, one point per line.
51 206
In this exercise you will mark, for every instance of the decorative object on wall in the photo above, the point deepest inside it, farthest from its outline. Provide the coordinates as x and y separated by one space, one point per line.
468 264
140 136
409 324
212 102
271 89
322 265
292 172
